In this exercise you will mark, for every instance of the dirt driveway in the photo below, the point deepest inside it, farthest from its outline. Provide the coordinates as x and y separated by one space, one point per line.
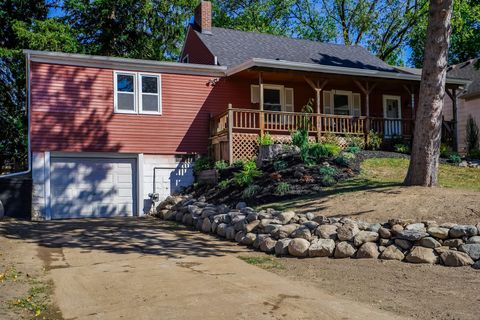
148 269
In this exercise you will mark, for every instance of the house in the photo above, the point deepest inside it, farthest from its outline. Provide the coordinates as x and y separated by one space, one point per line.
467 101
107 133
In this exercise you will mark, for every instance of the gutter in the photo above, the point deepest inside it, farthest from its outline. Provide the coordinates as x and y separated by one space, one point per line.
301 66
125 63
29 151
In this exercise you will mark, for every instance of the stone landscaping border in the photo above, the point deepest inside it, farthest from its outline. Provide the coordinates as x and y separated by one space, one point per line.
312 235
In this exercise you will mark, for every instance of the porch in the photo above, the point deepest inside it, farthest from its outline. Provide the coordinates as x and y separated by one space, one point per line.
234 133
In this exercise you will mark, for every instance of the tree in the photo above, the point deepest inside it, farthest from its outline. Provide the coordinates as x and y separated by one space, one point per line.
465 38
380 25
148 29
423 168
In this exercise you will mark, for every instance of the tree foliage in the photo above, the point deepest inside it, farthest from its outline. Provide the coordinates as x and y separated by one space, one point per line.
465 38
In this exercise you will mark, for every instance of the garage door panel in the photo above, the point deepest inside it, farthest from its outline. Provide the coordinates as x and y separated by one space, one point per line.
92 187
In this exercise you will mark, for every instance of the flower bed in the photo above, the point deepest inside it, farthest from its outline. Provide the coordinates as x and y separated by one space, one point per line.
312 235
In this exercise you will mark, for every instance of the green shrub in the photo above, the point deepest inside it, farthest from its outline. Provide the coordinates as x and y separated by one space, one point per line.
224 184
327 171
282 188
280 165
221 164
374 141
265 140
300 138
401 148
355 141
250 191
202 163
475 154
248 173
445 150
472 134
323 150
345 158
238 163
353 149
455 158
328 181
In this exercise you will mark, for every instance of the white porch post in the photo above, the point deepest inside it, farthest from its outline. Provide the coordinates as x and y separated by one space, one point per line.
262 117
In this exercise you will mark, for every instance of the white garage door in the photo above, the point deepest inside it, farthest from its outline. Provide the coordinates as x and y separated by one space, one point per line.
92 187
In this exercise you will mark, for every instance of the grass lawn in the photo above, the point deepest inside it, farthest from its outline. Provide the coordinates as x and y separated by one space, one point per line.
393 170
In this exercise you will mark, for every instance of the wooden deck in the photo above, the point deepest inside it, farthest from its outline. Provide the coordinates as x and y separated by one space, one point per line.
234 132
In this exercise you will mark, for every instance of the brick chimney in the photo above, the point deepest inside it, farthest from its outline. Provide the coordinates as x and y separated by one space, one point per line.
203 17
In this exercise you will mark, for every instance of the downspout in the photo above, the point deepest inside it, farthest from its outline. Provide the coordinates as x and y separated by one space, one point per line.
29 151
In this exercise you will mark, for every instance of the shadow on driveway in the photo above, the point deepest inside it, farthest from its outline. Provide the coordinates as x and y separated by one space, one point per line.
148 236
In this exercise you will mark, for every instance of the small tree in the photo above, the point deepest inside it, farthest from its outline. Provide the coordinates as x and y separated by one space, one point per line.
472 134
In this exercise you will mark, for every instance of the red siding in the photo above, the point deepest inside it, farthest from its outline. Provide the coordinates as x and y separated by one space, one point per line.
72 110
196 50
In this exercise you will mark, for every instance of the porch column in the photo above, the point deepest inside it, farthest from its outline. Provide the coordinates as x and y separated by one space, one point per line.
453 95
262 117
367 89
318 87
230 133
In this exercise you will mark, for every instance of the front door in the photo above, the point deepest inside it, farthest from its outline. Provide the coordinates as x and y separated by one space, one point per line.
392 112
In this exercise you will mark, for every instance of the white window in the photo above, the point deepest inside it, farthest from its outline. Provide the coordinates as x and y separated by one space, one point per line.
149 93
341 102
125 92
137 93
275 97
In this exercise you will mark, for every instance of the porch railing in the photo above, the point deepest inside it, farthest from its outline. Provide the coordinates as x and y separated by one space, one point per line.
246 120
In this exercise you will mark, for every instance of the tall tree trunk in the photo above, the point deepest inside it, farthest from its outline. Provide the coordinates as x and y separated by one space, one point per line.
423 169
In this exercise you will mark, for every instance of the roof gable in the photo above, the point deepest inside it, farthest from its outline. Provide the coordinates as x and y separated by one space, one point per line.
233 47
469 70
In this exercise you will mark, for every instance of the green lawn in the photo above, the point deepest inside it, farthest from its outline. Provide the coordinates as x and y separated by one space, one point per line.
393 170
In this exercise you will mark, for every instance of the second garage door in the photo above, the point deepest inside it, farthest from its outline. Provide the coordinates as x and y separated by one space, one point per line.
92 187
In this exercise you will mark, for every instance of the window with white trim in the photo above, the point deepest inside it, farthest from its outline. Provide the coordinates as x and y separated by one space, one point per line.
137 93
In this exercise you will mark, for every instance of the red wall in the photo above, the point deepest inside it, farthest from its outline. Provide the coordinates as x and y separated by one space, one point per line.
72 110
196 50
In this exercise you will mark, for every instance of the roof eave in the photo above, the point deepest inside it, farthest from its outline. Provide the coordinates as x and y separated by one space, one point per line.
299 66
124 63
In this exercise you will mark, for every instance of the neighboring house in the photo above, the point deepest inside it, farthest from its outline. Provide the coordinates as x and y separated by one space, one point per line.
106 132
468 100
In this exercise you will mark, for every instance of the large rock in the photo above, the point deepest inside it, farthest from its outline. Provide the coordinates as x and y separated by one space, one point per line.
384 233
312 225
252 216
472 249
268 245
239 236
460 231
344 250
404 244
249 227
365 236
396 229
453 258
222 229
347 231
429 242
415 227
438 232
248 239
284 231
230 233
298 247
258 240
474 239
240 205
476 265
271 228
411 235
281 247
327 231
453 243
266 222
374 227
321 248
187 219
206 225
285 216
302 232
422 255
392 252
368 250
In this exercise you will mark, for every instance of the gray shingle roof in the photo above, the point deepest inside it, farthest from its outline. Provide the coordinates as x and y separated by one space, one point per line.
469 70
233 47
